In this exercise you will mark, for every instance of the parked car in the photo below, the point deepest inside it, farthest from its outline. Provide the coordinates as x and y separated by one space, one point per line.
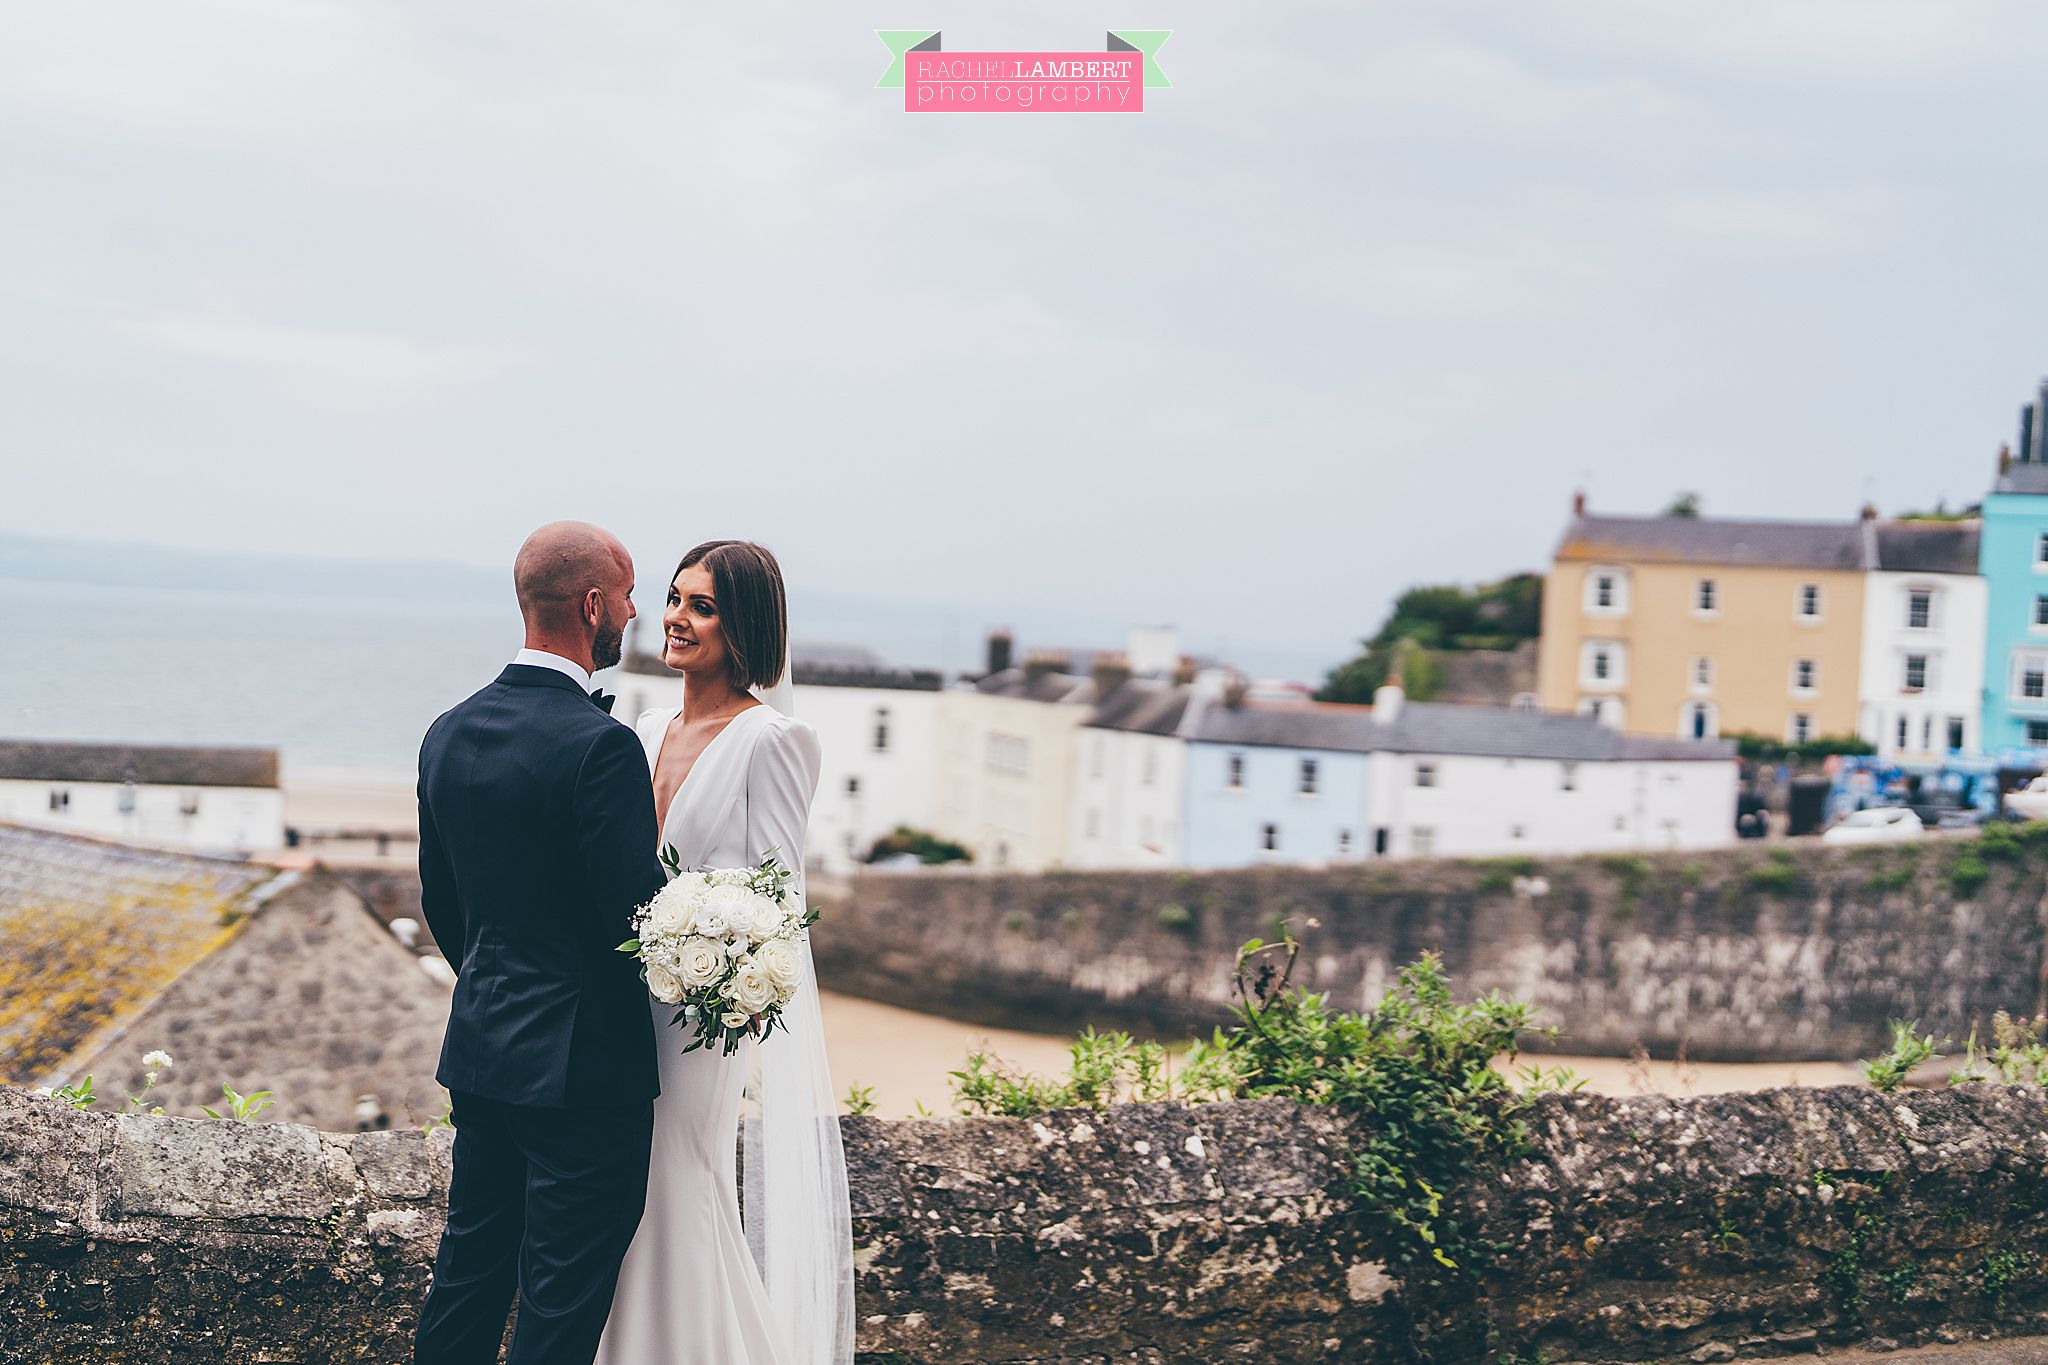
1881 824
2031 801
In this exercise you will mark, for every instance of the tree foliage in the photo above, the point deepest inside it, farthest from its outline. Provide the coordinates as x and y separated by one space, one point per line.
1434 617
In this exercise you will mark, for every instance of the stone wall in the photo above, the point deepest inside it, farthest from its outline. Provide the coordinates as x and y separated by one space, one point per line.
1738 955
1636 1230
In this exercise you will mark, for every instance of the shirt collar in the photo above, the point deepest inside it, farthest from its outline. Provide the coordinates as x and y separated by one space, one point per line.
540 658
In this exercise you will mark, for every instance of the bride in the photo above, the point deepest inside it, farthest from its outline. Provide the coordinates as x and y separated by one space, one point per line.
733 781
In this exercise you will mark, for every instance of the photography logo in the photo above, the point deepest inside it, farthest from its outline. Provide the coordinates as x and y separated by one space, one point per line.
934 81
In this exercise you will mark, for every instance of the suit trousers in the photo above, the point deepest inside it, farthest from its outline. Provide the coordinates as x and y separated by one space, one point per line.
544 1201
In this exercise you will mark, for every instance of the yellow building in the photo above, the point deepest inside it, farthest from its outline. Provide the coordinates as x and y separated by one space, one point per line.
1699 627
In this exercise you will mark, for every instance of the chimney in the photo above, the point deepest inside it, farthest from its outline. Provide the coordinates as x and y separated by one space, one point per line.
1386 702
1870 511
1111 670
2041 423
1235 690
1042 663
999 650
2004 458
1578 502
2026 432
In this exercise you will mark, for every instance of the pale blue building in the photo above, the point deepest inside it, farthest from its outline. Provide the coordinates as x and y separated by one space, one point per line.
1276 784
2013 559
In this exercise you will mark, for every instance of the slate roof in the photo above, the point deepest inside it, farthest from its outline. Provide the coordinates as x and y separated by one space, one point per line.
1928 546
1421 727
2023 476
1142 706
1293 725
1027 685
1713 540
90 930
40 760
261 978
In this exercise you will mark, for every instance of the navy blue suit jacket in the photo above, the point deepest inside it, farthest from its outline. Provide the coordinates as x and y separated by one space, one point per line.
537 840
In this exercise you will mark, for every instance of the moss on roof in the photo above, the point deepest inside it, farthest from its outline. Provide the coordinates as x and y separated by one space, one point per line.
91 932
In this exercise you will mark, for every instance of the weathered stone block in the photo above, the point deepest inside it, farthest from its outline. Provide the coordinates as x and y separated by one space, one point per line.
199 1168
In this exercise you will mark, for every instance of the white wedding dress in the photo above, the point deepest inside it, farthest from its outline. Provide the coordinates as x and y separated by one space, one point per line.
697 1288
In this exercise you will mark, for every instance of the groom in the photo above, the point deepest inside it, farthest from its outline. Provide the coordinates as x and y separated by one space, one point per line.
537 838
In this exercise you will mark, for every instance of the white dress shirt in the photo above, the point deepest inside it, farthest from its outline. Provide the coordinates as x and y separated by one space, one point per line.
540 658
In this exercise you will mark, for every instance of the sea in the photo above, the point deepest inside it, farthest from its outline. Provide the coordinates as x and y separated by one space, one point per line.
344 687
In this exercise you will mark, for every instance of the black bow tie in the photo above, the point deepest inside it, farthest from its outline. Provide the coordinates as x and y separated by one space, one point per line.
604 700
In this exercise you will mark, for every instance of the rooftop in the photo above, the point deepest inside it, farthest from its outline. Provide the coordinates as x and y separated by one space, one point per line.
1418 727
1713 540
1928 546
44 760
91 930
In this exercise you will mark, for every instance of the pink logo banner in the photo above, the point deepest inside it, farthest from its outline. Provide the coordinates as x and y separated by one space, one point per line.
1024 82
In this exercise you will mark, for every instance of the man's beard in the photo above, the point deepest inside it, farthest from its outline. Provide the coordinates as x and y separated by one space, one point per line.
608 648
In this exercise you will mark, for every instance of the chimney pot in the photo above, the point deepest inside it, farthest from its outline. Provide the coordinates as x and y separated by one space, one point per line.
1578 502
1111 670
1000 651
1870 511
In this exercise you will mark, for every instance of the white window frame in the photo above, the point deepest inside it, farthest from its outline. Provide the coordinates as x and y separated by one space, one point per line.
1933 596
1425 775
1233 772
1567 777
1589 597
2035 622
2016 678
2041 549
1793 724
1699 674
1906 683
1308 777
1617 664
1820 603
1706 598
1811 687
1422 840
2033 743
1685 714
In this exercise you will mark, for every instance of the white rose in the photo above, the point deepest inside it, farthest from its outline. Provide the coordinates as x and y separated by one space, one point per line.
734 1020
778 957
664 984
710 921
763 918
670 910
700 962
752 988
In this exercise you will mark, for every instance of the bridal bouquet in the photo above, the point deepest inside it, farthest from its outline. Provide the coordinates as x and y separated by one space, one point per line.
723 945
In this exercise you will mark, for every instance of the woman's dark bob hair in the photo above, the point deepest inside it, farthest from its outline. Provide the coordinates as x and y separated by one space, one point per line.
753 613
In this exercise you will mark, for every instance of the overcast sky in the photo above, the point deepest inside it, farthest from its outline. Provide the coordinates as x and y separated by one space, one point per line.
1355 304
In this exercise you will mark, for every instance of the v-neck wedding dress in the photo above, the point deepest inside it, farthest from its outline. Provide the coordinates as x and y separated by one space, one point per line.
691 1291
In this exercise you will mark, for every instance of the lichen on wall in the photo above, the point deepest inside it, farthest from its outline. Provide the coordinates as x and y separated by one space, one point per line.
1642 1229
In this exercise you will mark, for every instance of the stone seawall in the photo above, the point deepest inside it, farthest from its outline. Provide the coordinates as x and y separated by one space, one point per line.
1743 954
1636 1230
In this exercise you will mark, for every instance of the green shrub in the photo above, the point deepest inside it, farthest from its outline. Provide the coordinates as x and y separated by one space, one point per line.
929 848
1778 874
1967 875
1176 917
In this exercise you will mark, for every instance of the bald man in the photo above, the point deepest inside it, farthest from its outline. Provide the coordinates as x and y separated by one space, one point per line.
537 840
